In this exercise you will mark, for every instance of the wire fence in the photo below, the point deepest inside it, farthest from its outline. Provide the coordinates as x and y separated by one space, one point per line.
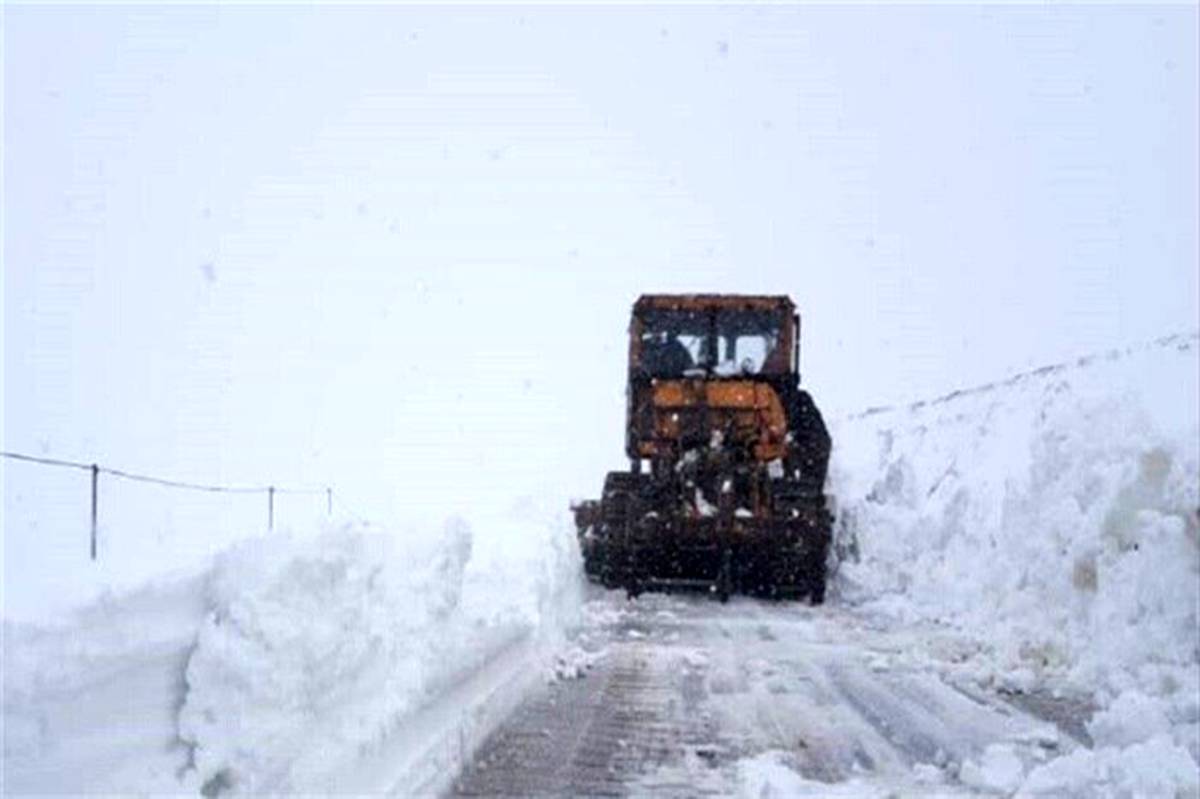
96 470
1180 340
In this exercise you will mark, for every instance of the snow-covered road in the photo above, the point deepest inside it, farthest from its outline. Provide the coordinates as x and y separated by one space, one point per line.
680 695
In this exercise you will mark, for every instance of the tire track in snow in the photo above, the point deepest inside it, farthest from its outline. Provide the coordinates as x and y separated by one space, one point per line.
688 688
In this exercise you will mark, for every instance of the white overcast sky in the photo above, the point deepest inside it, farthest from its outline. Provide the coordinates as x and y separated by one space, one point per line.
394 248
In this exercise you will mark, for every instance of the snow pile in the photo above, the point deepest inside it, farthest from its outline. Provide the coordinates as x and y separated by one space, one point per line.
773 775
91 705
1155 767
1000 769
528 560
1134 755
291 660
312 650
310 658
1054 516
1143 761
573 664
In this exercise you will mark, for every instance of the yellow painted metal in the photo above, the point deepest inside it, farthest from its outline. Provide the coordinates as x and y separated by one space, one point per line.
749 411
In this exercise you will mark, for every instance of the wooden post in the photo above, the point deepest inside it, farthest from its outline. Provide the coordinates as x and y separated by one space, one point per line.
95 486
271 508
328 501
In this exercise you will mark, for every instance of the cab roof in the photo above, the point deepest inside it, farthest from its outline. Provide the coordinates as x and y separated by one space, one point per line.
713 302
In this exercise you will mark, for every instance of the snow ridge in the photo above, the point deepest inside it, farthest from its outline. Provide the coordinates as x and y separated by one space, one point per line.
295 664
1055 516
1185 340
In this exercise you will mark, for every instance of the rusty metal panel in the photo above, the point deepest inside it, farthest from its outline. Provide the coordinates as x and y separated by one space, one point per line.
713 302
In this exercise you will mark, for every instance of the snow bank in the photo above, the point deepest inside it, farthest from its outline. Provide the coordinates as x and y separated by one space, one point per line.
293 658
309 660
90 706
1156 767
1055 516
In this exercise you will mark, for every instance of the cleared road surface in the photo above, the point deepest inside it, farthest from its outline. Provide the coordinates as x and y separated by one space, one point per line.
677 696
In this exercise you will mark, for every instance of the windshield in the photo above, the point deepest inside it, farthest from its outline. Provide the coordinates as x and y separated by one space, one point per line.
704 343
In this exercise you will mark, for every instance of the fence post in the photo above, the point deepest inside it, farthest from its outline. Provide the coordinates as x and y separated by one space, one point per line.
271 508
328 501
95 486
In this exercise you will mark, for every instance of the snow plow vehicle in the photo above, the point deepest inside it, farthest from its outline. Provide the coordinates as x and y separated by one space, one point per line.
728 456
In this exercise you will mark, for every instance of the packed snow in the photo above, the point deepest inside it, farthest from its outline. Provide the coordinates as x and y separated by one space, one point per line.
772 775
1053 517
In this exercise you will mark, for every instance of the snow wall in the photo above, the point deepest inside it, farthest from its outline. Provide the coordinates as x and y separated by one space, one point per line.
290 660
1054 517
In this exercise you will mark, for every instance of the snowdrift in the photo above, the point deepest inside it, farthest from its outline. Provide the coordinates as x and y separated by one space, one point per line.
288 666
91 705
1054 516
